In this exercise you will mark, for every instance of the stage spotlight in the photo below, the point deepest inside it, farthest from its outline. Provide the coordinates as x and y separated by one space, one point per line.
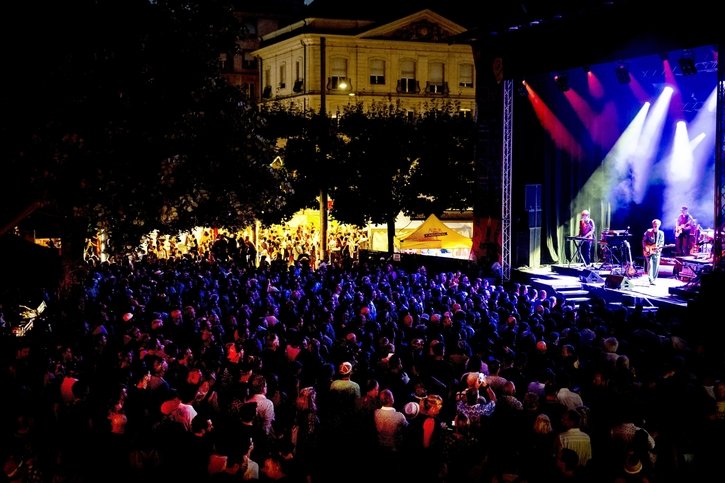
562 81
622 74
687 65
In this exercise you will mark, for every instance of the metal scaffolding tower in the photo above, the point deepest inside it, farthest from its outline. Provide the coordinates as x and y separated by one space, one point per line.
717 246
508 114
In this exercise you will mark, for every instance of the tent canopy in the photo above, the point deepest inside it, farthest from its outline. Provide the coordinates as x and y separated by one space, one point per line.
434 234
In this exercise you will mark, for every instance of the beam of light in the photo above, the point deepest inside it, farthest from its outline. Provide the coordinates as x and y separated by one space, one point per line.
649 142
600 126
639 92
681 158
612 183
596 89
560 135
671 80
698 189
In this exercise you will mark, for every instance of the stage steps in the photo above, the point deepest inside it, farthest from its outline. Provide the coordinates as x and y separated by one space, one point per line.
575 296
570 288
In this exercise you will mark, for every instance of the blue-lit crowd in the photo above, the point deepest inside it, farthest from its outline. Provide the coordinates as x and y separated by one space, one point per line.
212 369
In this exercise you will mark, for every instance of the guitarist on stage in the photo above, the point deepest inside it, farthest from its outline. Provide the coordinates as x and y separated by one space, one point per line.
652 243
685 222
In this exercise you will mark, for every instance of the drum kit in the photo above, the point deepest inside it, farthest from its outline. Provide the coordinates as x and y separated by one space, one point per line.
702 241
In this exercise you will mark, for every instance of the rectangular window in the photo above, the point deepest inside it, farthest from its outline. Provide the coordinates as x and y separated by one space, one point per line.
338 75
249 29
465 75
248 60
436 81
282 75
299 83
377 72
267 91
407 82
224 64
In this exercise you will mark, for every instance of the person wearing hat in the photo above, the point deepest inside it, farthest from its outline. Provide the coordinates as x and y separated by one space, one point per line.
343 389
423 441
683 225
587 229
411 410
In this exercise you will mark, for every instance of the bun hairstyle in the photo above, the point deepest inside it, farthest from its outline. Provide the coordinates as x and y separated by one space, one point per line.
431 401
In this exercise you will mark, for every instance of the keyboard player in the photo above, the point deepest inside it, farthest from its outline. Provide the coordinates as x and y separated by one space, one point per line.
587 230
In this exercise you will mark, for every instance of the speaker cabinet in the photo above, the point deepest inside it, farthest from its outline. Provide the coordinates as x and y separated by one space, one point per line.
619 282
588 276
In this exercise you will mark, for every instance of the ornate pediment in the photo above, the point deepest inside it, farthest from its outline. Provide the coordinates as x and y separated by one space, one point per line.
422 30
424 26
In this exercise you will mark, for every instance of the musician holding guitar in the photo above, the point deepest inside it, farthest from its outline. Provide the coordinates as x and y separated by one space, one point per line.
685 222
652 243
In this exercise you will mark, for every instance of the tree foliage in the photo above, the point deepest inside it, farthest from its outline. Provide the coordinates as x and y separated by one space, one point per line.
377 160
443 176
118 118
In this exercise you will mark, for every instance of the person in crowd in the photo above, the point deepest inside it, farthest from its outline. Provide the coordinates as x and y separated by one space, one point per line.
344 390
587 232
423 441
684 225
263 425
275 469
389 424
305 432
652 243
572 437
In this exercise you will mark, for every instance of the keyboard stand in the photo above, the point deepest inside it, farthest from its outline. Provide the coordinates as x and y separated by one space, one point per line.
577 255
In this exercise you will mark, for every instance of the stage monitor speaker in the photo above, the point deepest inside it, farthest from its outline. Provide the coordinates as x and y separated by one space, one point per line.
588 276
619 282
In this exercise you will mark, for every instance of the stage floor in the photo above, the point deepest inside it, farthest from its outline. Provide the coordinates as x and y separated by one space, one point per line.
570 278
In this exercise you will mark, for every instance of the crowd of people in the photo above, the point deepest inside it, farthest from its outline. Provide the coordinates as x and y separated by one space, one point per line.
196 369
281 244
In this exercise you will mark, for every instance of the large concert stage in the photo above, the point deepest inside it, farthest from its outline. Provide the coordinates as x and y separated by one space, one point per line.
578 284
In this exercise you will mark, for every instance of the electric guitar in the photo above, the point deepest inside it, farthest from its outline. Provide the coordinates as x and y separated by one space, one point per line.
629 269
679 228
650 249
